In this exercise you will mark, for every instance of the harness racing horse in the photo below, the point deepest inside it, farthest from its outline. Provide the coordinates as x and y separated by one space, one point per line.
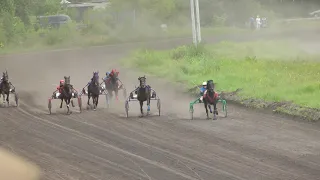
112 84
210 97
143 93
66 94
94 90
5 87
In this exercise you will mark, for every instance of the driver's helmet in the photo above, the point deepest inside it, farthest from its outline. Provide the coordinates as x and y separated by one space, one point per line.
107 73
204 84
113 72
61 82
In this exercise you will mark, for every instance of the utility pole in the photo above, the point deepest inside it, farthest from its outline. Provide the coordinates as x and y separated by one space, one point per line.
198 21
194 31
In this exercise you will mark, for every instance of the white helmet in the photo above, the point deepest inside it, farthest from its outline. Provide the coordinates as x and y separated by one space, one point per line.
204 83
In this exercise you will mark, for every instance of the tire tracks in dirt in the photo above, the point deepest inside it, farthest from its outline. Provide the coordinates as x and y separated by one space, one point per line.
106 145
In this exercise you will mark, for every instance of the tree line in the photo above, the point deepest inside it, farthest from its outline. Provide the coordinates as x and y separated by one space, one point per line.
16 15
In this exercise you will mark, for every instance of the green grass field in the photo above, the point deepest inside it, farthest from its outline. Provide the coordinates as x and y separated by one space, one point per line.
274 71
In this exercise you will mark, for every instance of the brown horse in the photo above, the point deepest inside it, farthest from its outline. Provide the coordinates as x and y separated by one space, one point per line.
210 97
112 84
5 87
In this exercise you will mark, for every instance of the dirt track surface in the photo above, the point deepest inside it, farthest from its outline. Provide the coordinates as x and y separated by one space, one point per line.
108 146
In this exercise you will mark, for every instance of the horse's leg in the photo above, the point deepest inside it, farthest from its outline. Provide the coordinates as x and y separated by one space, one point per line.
148 101
97 100
94 101
61 102
206 107
8 98
109 93
215 112
215 109
68 102
141 110
116 93
210 108
3 98
89 96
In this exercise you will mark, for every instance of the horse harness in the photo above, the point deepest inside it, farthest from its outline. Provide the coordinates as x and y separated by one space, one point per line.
109 79
215 96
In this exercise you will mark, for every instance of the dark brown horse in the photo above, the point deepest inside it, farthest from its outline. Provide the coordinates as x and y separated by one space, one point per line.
210 97
5 87
112 84
143 94
67 93
94 90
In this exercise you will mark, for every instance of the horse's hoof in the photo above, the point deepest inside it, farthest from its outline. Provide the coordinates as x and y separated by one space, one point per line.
214 118
208 118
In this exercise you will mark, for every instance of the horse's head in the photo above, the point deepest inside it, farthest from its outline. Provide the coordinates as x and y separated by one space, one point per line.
142 81
67 80
210 86
95 78
114 76
5 77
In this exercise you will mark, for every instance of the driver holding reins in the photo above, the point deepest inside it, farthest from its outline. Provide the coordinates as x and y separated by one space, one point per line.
60 87
110 74
202 90
107 76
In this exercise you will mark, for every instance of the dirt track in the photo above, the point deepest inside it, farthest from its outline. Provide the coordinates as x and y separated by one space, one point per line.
105 145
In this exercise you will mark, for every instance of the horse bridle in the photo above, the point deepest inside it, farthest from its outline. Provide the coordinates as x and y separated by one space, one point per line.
142 82
5 77
95 79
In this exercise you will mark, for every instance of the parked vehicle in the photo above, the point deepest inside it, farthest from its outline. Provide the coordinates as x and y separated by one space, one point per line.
52 21
315 14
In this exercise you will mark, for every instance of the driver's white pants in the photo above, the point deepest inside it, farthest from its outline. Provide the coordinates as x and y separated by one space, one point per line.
201 98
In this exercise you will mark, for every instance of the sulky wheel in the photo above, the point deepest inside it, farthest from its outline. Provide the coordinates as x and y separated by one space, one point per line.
224 108
80 103
124 93
49 105
16 99
94 106
126 106
159 106
107 100
191 110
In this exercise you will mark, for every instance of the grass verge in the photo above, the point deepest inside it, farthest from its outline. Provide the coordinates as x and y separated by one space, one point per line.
261 74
